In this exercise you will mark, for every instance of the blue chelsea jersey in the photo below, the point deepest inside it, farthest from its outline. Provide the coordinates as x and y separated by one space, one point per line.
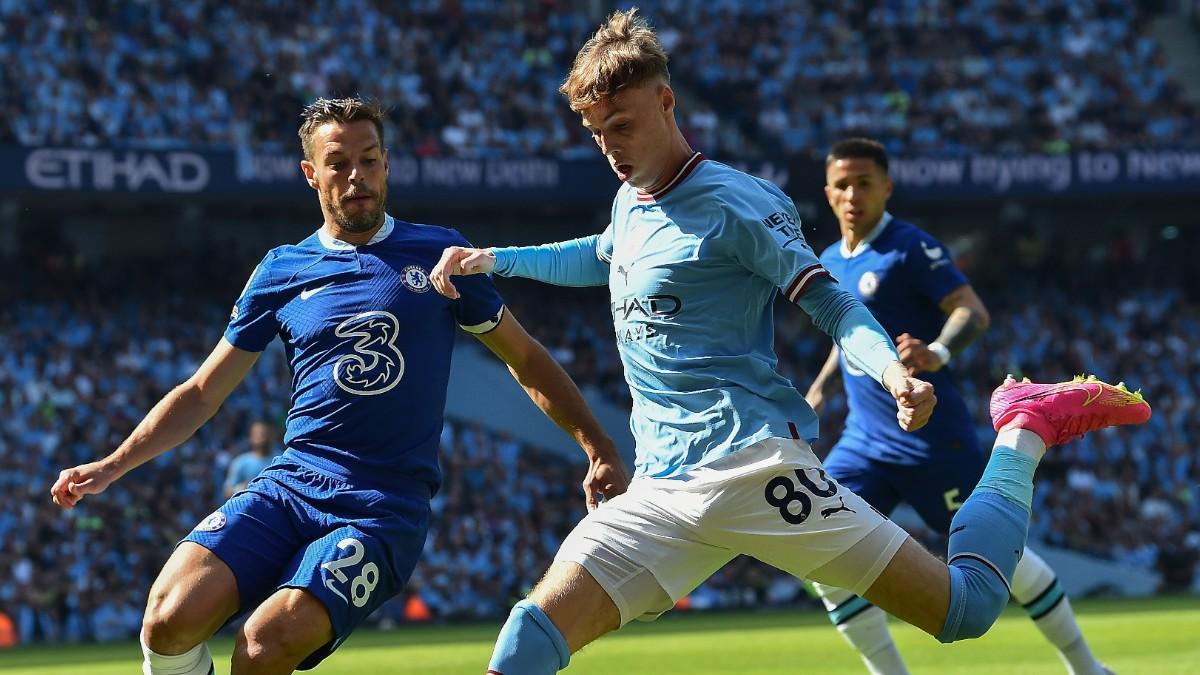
693 272
369 343
901 273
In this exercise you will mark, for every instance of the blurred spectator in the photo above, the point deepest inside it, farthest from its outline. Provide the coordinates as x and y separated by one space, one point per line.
249 464
479 79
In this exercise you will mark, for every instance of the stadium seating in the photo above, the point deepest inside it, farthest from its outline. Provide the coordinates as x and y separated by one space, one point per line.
479 79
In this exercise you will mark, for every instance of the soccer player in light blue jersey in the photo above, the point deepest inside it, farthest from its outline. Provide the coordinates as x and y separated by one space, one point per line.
694 257
910 283
334 526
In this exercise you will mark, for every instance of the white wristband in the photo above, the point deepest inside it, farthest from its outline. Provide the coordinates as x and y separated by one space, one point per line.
939 350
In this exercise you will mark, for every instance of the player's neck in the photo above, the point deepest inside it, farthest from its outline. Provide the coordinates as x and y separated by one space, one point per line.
854 236
681 152
354 238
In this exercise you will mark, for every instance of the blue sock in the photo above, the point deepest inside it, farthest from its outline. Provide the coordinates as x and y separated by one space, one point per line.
987 537
529 644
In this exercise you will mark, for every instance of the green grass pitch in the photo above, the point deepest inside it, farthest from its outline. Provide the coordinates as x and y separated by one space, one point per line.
1160 636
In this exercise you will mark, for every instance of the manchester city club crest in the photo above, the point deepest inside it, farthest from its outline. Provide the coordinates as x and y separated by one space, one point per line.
214 522
415 279
868 284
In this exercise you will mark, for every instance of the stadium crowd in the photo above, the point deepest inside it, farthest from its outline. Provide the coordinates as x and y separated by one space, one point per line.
476 78
83 357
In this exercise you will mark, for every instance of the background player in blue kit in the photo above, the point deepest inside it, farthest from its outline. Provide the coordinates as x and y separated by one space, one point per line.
694 256
333 527
910 283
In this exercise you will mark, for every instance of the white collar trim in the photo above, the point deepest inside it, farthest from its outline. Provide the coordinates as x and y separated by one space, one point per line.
333 244
863 245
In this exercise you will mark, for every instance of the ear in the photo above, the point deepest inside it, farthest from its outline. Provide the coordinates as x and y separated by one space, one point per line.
829 197
891 185
310 172
667 99
386 166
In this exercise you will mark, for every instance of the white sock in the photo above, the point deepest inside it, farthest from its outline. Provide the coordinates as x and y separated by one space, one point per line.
1023 441
1035 586
865 627
195 661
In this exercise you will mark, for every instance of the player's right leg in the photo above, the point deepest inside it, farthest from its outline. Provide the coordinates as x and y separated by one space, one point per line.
195 594
229 562
615 566
962 599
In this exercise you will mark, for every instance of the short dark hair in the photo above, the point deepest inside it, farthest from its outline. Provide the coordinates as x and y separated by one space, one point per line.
858 148
342 111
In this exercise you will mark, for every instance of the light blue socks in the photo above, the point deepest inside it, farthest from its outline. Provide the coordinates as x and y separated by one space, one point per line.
987 537
529 644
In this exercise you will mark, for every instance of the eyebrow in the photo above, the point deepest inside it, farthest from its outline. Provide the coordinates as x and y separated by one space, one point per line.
373 146
611 115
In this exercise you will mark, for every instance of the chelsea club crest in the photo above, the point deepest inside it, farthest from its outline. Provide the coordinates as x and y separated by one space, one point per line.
868 284
415 279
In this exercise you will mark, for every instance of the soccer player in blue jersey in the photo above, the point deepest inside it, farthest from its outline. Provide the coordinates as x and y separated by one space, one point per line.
333 527
694 256
910 283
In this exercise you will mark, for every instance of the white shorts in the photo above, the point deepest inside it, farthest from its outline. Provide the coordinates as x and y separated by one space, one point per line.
656 543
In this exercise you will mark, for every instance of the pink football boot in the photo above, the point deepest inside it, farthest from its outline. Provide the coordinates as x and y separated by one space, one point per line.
1067 410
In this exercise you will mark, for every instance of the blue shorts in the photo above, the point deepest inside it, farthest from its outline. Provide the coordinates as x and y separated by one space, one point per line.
292 527
936 488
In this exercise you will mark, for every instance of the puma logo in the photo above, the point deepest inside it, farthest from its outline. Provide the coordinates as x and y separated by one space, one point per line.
825 513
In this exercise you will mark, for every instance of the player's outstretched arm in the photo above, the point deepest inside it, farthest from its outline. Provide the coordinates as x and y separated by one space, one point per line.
170 422
967 319
860 337
576 262
825 383
552 390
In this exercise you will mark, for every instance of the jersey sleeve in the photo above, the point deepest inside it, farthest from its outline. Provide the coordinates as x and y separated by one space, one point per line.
575 262
931 268
479 307
254 321
767 241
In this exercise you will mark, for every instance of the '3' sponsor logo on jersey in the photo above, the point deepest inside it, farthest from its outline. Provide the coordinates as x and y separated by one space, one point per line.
376 364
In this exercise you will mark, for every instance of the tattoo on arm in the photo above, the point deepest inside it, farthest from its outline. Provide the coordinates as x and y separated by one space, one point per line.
961 329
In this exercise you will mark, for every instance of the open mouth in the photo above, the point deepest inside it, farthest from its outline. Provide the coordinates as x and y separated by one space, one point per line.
624 170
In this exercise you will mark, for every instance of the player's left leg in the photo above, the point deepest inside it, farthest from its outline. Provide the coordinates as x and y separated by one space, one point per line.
937 491
1036 587
281 632
370 546
961 599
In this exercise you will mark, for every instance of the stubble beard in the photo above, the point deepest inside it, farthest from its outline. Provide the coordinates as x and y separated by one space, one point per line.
360 222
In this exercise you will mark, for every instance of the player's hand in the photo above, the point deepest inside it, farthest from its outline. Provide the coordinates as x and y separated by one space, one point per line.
605 476
916 356
914 398
85 479
458 260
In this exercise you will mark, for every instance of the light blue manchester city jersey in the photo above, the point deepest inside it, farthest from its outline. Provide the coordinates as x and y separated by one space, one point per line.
693 272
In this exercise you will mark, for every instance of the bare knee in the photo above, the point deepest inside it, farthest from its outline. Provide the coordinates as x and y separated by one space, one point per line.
282 632
260 647
194 594
167 627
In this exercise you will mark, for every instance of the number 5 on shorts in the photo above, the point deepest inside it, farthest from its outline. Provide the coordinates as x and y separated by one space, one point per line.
363 584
